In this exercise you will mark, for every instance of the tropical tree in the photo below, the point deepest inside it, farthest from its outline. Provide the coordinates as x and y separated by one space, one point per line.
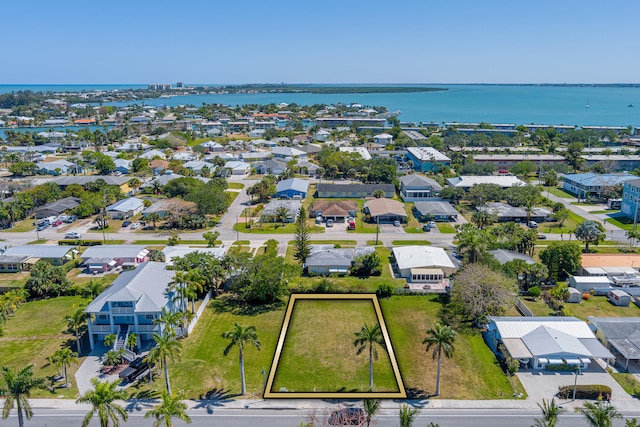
371 407
18 386
301 241
590 232
102 399
407 415
168 321
109 340
241 336
550 414
599 414
177 286
153 217
368 337
132 341
472 242
63 358
633 236
281 214
170 407
441 338
166 348
76 321
211 237
482 219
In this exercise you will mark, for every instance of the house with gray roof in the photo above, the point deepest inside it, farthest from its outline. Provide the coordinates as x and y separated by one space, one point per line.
30 254
270 166
415 188
504 256
287 153
123 166
505 212
100 259
545 342
271 212
56 208
436 210
57 167
353 190
131 304
65 181
621 335
325 259
125 208
467 181
293 188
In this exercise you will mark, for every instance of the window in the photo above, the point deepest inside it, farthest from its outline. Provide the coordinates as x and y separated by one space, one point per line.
149 316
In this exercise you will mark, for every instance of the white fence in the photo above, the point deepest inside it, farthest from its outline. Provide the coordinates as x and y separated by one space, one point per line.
199 312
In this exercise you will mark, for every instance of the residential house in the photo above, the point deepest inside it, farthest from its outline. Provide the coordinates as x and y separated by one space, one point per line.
309 148
57 208
173 252
505 213
322 135
506 161
125 208
212 147
120 181
271 212
504 256
252 156
307 168
545 342
183 156
415 188
131 305
385 210
621 335
56 255
293 188
324 191
153 154
466 182
198 165
383 139
123 166
130 147
362 151
325 259
158 166
164 206
270 166
287 153
617 162
631 199
338 210
427 159
237 167
57 167
101 259
413 261
619 297
600 186
599 285
437 210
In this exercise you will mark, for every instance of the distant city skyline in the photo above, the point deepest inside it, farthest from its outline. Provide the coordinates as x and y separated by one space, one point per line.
374 42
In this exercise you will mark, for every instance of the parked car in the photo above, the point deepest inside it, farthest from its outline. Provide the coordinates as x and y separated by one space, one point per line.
73 235
134 226
329 223
532 224
135 370
352 225
426 228
71 219
42 227
126 223
542 237
347 416
396 223
432 224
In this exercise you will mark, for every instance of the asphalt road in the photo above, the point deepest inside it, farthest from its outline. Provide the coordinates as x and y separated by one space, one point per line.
284 418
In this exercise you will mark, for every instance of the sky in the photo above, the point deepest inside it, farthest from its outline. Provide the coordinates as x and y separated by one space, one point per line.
326 41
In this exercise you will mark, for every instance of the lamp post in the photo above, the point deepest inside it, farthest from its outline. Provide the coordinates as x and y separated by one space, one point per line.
237 229
575 382
264 380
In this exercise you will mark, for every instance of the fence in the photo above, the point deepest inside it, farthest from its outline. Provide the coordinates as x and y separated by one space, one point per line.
523 309
199 312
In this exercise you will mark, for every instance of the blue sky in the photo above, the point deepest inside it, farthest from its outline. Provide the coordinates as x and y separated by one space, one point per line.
327 41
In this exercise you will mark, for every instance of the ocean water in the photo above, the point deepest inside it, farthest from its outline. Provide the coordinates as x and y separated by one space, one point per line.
555 105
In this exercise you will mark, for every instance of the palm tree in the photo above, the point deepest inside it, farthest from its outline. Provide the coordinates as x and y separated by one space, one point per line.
177 286
472 242
132 341
167 348
110 339
241 336
441 338
550 413
371 407
168 321
599 414
64 357
194 284
281 214
76 321
18 390
101 398
153 217
407 415
367 337
169 407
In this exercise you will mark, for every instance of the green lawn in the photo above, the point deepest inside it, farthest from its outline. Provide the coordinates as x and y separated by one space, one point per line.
446 228
37 330
334 242
569 225
608 212
410 242
412 225
275 228
559 192
23 226
621 222
235 185
319 359
12 280
628 382
164 242
472 373
594 306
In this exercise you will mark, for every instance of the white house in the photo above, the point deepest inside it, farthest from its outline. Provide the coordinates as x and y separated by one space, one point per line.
236 167
126 208
383 139
425 267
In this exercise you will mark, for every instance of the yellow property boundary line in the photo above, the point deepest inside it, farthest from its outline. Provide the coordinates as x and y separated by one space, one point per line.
268 394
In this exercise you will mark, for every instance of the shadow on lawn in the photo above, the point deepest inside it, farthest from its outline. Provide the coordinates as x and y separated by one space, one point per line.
233 305
214 397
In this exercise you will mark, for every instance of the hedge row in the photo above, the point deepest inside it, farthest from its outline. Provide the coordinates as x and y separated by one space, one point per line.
593 392
78 242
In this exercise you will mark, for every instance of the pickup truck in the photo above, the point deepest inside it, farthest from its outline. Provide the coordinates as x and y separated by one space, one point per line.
136 369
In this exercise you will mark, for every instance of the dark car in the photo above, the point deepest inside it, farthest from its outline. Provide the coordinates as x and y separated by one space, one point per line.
347 416
126 223
135 369
542 237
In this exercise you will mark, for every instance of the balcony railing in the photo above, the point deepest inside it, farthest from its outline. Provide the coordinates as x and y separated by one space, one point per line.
100 328
121 310
148 328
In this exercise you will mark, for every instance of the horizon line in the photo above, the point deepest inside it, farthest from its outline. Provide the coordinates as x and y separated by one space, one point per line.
322 83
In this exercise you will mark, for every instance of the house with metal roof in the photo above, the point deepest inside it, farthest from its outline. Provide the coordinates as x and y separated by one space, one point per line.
293 188
287 153
422 264
414 188
325 259
125 208
504 212
592 184
237 167
290 208
544 342
504 256
621 335
324 191
57 167
123 166
436 210
56 208
427 159
101 259
270 166
131 304
467 181
197 166
151 154
54 254
362 151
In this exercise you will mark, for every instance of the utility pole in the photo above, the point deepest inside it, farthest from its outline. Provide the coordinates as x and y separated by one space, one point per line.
377 228
237 229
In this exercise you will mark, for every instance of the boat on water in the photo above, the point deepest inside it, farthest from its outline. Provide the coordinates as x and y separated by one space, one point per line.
630 105
587 104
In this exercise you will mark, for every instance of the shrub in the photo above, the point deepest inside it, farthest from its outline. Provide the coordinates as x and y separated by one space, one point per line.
586 296
592 392
385 290
534 292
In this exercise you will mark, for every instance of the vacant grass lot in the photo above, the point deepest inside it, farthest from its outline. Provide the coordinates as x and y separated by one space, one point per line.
235 185
569 225
594 306
473 373
36 331
276 228
319 359
559 192
621 222
446 228
23 226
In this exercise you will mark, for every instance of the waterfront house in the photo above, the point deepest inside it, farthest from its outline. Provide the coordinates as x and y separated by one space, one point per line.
427 159
545 342
293 188
131 305
353 190
414 188
125 208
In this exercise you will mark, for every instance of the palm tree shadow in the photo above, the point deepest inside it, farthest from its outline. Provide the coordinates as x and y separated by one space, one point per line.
233 305
141 400
214 398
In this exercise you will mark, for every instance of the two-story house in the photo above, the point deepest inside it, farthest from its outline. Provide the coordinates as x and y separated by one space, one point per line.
131 304
415 188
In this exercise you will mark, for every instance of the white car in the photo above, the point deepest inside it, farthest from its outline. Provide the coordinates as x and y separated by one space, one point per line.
134 226
73 235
